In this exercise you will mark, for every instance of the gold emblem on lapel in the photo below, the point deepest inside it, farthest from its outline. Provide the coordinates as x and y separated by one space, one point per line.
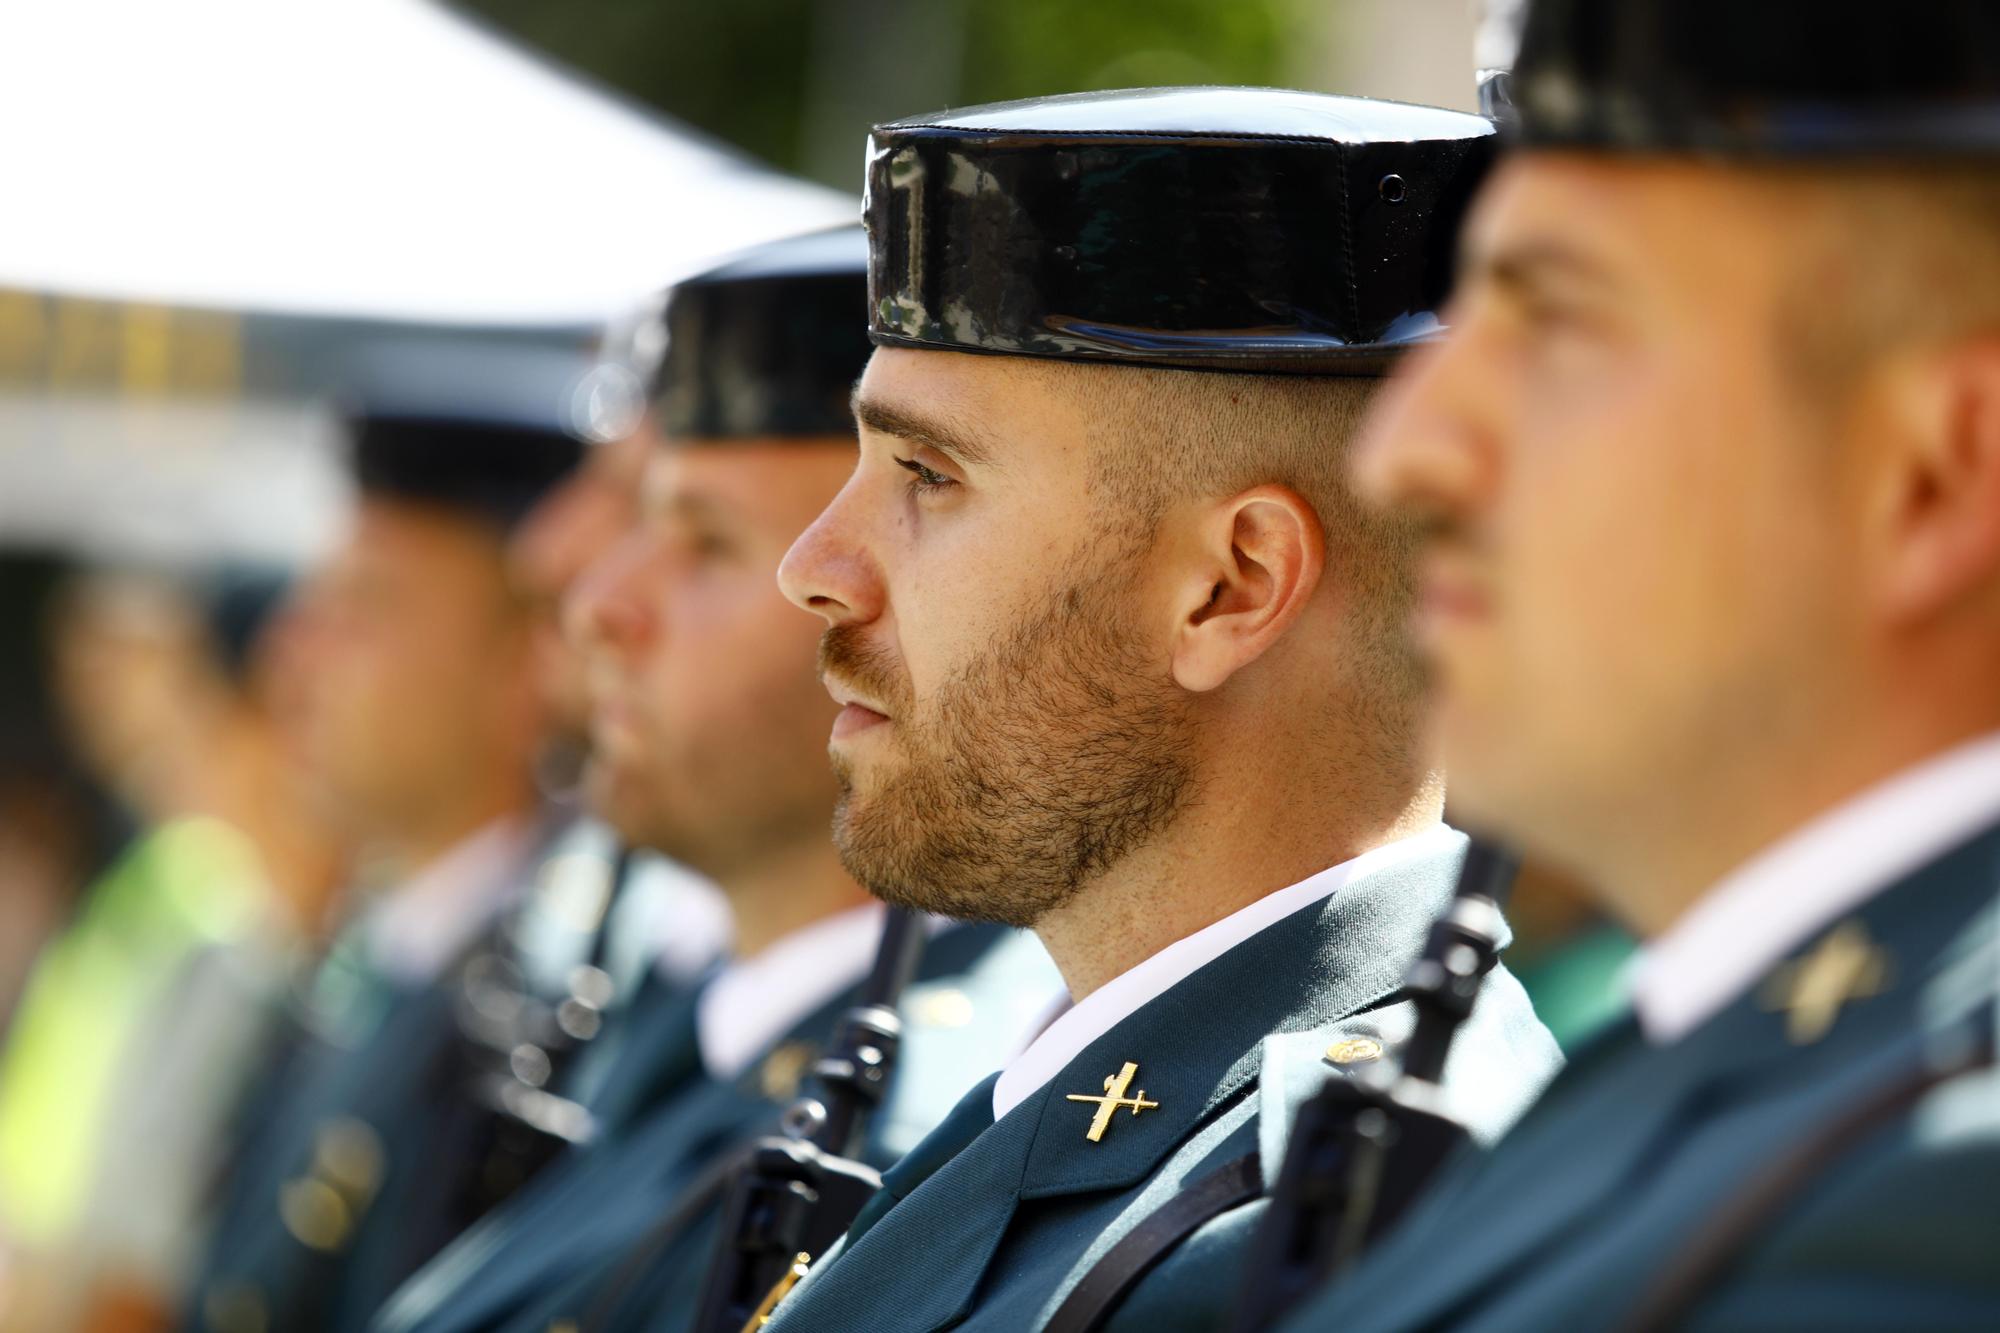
1845 965
783 1288
1114 1097
784 1069
1354 1051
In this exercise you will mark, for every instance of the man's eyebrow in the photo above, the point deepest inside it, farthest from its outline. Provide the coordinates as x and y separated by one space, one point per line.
1537 264
689 505
952 441
683 506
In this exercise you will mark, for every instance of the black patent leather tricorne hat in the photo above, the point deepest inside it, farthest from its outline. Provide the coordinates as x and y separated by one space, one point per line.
471 429
1784 78
1246 229
769 344
485 468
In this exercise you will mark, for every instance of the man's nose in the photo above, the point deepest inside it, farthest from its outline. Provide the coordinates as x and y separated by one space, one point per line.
1424 448
606 605
830 570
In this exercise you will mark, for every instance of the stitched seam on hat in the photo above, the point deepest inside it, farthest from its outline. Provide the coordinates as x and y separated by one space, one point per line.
1347 248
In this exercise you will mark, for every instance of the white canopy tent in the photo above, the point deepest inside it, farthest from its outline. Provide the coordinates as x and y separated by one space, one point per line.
381 159
334 180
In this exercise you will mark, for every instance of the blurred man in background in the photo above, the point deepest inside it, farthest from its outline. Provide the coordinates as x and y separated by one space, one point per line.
423 721
145 1017
625 916
708 735
1711 468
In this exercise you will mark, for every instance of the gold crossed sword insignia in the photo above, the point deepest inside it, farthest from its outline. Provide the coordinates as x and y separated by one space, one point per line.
1114 1098
1845 965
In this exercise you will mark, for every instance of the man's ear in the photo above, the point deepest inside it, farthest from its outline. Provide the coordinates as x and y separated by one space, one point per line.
1940 528
1252 567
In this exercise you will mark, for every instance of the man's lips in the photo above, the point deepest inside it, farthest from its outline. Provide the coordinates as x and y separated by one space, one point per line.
857 714
1449 592
853 719
614 728
1454 601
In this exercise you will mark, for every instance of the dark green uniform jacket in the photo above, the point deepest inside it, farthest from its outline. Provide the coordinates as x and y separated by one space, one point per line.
582 1241
987 1226
1637 1152
336 1198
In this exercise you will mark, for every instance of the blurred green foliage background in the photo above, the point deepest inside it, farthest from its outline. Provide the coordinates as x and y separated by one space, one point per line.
797 82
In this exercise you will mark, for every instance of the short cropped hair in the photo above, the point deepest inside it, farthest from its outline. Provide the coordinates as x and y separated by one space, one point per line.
1180 434
1895 256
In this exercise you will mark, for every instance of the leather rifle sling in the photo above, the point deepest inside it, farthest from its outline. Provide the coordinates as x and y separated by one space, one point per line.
1112 1277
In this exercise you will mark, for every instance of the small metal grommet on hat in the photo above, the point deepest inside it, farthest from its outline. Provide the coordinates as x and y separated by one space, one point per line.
1392 189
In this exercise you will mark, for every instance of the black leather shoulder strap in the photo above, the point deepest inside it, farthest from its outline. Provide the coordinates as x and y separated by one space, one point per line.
1113 1276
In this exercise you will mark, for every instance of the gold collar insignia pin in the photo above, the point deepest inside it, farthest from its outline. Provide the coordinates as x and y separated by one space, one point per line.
1845 965
1114 1097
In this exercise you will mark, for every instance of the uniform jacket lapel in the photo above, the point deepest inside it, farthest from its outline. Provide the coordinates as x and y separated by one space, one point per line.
657 1126
1609 1126
1198 1048
653 1053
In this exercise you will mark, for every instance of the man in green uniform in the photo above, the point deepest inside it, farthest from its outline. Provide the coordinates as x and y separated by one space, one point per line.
1711 466
1121 660
707 724
421 722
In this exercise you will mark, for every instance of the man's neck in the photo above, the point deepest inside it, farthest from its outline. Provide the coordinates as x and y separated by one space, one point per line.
408 850
1755 799
786 890
1228 850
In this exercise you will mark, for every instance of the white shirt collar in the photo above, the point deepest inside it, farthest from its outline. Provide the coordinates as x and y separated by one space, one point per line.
1777 900
754 1001
1124 995
417 929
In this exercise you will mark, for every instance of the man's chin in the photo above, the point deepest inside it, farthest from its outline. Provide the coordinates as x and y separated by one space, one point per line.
900 878
628 805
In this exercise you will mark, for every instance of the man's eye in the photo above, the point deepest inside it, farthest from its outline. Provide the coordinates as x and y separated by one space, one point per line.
1556 317
923 478
709 545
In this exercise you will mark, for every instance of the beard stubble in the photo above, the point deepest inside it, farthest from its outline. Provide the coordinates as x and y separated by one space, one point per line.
1035 769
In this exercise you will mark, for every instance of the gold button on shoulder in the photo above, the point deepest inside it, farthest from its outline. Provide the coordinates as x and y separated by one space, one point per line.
348 1155
1354 1051
315 1214
784 1069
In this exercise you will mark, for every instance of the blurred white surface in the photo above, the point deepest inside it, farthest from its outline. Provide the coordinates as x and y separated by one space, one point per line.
170 483
369 158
